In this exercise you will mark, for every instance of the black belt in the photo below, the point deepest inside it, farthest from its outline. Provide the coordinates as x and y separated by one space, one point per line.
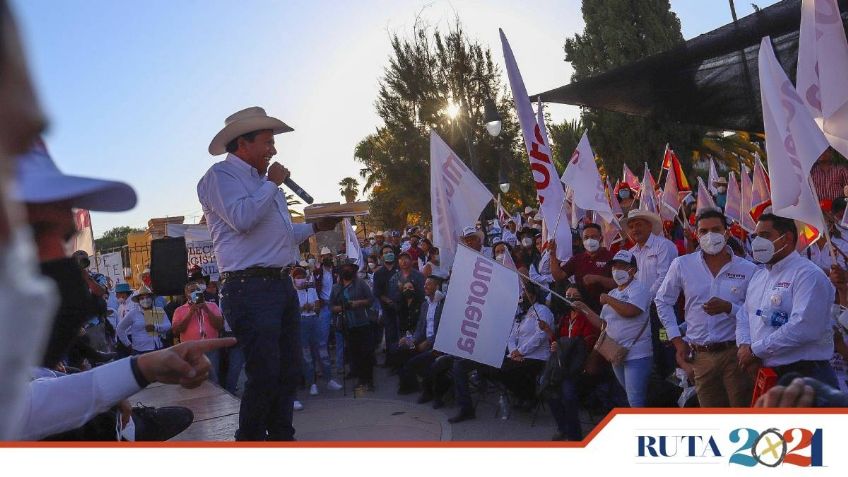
713 347
254 272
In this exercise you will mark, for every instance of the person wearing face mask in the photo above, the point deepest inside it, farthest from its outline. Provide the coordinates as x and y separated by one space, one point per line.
626 317
626 197
720 197
785 322
654 254
590 269
313 339
387 292
145 324
350 300
714 282
326 275
199 320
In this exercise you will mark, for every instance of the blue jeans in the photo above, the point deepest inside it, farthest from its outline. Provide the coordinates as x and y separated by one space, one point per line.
326 318
264 314
565 409
235 363
313 339
633 376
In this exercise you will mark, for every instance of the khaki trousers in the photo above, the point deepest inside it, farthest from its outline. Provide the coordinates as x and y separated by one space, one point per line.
718 380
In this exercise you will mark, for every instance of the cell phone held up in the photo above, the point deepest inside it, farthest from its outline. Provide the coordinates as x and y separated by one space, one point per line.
197 297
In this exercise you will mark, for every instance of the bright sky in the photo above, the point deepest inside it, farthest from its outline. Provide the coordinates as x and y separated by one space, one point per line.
136 90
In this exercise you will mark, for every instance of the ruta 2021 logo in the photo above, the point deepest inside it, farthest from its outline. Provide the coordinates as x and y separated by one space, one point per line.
771 448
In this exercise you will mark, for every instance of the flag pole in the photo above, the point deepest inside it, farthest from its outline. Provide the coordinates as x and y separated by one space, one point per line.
662 163
826 232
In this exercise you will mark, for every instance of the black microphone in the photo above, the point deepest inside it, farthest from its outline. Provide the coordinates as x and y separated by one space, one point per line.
297 190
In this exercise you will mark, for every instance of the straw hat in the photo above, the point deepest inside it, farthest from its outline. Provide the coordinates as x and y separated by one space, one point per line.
243 122
142 291
652 218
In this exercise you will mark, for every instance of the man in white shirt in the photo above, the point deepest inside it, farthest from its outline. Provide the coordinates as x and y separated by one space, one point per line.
325 276
654 254
254 239
714 281
785 322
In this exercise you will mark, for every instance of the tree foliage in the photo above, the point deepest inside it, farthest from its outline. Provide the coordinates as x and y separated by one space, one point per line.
426 72
618 32
349 189
114 238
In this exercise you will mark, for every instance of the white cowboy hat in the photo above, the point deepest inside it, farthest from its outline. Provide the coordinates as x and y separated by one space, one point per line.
652 218
39 181
325 251
243 122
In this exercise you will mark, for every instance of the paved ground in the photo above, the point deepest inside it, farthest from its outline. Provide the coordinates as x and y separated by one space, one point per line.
378 416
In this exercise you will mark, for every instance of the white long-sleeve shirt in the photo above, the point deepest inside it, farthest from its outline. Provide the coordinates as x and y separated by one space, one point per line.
690 275
134 324
60 404
248 218
542 273
797 287
307 296
526 336
653 260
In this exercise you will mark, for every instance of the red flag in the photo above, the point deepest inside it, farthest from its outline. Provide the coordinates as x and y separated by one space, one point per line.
630 178
760 192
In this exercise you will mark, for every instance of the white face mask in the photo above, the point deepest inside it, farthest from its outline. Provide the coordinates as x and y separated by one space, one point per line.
527 242
721 189
712 242
299 282
625 194
22 350
762 249
372 265
311 262
372 241
620 276
146 302
591 245
499 257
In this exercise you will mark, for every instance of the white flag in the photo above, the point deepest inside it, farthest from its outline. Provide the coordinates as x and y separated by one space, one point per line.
823 69
581 174
733 205
670 199
648 195
712 178
793 143
479 309
352 247
548 188
456 198
746 191
705 200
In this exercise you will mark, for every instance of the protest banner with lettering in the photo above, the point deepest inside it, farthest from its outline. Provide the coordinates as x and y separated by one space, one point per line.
479 309
111 265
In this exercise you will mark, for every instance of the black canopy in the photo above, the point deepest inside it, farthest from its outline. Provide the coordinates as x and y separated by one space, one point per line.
710 80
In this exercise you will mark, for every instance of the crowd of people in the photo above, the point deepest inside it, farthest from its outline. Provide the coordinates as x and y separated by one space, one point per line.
699 299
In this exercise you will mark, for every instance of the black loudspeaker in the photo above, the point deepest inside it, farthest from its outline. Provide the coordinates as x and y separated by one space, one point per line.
168 266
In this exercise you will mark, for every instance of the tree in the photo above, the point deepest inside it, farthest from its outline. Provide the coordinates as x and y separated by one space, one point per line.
426 72
114 238
618 32
349 189
290 201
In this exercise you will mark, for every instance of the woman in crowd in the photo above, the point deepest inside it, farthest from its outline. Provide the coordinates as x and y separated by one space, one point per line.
565 404
199 319
144 324
501 250
625 314
313 334
432 266
350 301
527 347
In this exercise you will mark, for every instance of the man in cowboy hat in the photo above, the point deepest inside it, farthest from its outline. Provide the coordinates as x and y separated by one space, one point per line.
254 239
654 254
325 276
720 185
472 237
145 324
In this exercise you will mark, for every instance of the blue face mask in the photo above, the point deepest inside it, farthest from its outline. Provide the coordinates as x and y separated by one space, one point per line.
389 257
